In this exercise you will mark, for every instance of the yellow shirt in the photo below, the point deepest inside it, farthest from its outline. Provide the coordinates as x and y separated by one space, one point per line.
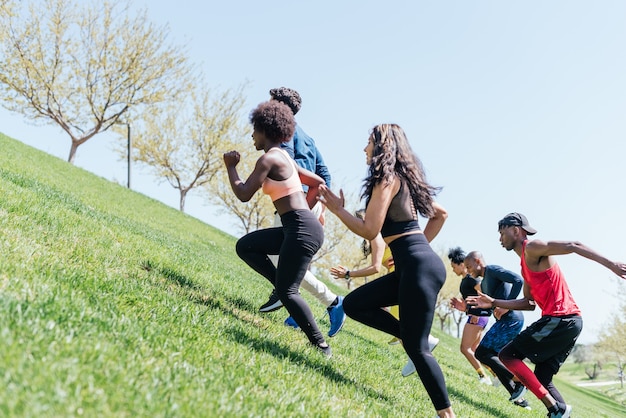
386 257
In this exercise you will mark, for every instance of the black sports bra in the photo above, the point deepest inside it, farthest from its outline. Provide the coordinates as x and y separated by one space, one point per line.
401 216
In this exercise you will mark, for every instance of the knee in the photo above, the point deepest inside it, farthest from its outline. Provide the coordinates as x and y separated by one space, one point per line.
348 305
506 355
240 247
482 353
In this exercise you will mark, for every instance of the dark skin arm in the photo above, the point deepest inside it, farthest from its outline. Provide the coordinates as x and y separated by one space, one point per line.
539 254
527 303
274 166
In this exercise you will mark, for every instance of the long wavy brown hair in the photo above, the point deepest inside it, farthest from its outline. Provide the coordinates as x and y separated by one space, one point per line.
393 156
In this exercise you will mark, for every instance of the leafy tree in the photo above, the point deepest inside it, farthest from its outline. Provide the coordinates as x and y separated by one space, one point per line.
183 143
612 339
582 353
83 65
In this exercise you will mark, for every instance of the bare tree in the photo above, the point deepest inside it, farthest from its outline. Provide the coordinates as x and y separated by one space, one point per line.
82 65
450 288
183 142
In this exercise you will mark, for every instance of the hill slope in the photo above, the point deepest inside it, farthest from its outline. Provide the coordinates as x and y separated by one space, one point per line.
117 305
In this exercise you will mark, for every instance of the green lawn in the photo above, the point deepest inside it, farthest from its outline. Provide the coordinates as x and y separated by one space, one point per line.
117 305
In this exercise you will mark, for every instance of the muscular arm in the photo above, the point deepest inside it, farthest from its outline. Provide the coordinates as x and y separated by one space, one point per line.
538 255
245 190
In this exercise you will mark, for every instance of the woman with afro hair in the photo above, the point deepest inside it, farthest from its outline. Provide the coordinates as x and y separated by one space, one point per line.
301 234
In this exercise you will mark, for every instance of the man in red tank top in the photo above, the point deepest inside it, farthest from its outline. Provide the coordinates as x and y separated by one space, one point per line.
548 341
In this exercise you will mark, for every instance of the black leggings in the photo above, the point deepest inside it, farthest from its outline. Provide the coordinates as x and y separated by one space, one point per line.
296 242
413 286
489 357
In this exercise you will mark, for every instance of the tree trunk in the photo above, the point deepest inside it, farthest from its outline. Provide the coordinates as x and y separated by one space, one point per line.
183 195
73 149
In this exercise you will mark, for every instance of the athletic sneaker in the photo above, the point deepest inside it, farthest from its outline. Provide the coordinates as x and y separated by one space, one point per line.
290 322
520 390
523 403
272 304
337 317
409 367
485 380
562 413
394 341
432 342
325 350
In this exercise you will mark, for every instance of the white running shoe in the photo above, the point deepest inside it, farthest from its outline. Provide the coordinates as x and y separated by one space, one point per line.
485 380
408 369
432 342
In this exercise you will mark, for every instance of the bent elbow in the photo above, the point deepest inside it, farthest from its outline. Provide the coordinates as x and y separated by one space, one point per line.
369 235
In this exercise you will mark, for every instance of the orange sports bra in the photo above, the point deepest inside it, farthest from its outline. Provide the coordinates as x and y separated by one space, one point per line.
281 188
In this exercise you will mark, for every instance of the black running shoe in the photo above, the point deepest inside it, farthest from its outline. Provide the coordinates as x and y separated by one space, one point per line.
272 304
523 403
520 390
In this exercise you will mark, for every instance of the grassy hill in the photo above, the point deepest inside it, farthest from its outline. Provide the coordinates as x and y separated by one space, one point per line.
114 304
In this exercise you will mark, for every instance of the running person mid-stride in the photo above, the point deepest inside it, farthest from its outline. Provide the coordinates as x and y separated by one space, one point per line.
548 341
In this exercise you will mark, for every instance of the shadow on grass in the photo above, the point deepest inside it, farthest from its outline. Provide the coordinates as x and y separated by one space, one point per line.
486 406
169 274
320 365
237 307
242 310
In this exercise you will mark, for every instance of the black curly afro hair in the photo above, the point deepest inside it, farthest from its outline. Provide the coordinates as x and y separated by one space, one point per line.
288 96
275 120
456 255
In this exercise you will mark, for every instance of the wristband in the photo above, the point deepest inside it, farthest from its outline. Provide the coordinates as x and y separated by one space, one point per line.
347 276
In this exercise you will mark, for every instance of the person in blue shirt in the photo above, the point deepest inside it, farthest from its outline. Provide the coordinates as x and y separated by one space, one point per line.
506 285
303 150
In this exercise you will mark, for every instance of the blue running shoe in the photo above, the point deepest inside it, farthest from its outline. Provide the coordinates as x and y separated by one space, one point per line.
518 393
563 412
290 322
337 317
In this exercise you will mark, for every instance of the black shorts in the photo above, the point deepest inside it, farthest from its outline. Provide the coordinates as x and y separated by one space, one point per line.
549 340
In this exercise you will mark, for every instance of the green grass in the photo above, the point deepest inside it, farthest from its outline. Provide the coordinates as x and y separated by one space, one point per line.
114 304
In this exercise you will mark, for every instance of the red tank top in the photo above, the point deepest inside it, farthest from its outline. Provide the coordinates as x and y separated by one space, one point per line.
549 289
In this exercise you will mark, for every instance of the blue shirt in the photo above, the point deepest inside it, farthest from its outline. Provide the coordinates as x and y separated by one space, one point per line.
303 150
500 283
503 284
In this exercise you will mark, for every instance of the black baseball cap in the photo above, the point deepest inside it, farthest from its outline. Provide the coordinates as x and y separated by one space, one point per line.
517 219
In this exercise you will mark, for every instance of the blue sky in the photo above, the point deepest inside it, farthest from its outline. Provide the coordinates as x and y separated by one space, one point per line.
512 106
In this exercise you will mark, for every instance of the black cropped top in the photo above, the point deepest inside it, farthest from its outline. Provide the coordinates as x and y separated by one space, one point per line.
401 216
